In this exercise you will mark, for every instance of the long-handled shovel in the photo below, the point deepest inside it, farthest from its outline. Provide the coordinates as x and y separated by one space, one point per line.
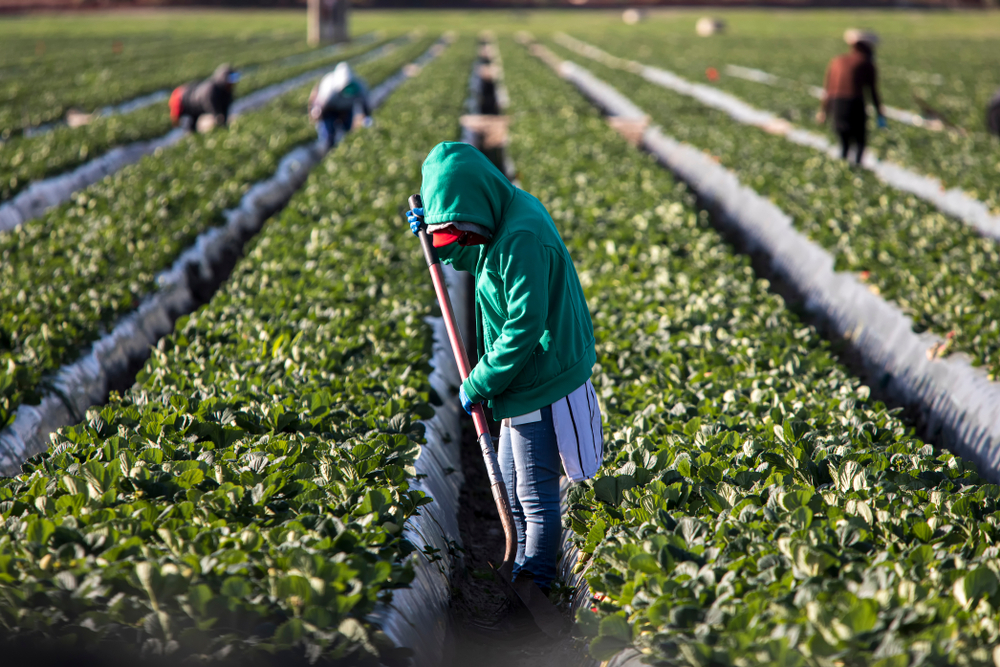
545 614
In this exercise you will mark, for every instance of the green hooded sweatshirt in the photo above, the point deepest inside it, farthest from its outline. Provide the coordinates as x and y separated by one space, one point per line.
533 327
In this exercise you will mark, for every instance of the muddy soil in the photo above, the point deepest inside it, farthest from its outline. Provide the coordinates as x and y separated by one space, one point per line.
488 630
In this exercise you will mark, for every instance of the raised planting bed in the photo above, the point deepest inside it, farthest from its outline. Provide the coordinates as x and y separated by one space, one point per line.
250 494
756 506
87 264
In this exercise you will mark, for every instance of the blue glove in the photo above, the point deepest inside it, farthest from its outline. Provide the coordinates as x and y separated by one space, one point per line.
416 219
881 122
464 398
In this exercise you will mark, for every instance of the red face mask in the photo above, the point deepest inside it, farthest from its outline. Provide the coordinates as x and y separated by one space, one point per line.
450 235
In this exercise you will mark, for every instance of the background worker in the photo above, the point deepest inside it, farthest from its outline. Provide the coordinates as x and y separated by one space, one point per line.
847 78
212 97
534 335
993 114
337 101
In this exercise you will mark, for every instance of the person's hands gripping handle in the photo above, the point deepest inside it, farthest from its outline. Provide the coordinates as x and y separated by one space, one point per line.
415 218
467 403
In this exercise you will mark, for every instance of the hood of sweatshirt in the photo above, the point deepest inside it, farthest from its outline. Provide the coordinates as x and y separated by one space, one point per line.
460 184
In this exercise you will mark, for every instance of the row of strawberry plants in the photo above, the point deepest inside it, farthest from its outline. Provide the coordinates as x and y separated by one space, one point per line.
88 81
27 159
248 494
67 277
946 66
964 159
755 505
936 269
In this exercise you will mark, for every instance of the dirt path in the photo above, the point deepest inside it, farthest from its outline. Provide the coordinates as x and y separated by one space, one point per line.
486 629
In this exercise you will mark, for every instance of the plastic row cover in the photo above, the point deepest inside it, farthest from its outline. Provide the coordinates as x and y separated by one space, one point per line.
417 616
42 195
117 355
952 201
961 405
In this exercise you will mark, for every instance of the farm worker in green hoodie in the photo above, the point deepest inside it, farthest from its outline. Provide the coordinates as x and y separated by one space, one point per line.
534 336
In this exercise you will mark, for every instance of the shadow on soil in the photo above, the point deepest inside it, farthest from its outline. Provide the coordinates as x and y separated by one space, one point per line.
486 629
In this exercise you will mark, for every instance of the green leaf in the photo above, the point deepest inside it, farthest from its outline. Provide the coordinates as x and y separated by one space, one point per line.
39 530
659 611
615 626
977 584
190 478
922 531
289 633
801 518
605 648
587 622
606 490
644 563
862 616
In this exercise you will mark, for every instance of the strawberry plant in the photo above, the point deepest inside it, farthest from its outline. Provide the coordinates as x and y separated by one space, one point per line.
69 276
755 505
936 269
247 496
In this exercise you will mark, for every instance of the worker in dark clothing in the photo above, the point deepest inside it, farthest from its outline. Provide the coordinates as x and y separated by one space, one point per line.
337 102
847 78
211 97
993 114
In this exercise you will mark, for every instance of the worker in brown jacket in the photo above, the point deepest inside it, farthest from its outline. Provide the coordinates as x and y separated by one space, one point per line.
847 78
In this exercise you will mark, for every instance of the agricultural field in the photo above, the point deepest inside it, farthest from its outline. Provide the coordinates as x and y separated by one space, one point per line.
26 159
229 487
928 62
754 491
249 497
931 265
68 276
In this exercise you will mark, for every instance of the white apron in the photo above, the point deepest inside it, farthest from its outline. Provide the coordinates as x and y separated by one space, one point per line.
579 433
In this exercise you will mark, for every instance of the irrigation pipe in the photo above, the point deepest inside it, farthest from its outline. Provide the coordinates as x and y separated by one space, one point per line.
43 195
195 274
960 404
952 201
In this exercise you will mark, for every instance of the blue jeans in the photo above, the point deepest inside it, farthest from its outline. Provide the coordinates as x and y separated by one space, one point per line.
329 123
529 462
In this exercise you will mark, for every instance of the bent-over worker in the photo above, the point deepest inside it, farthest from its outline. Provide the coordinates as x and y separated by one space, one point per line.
336 101
534 335
211 97
847 78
